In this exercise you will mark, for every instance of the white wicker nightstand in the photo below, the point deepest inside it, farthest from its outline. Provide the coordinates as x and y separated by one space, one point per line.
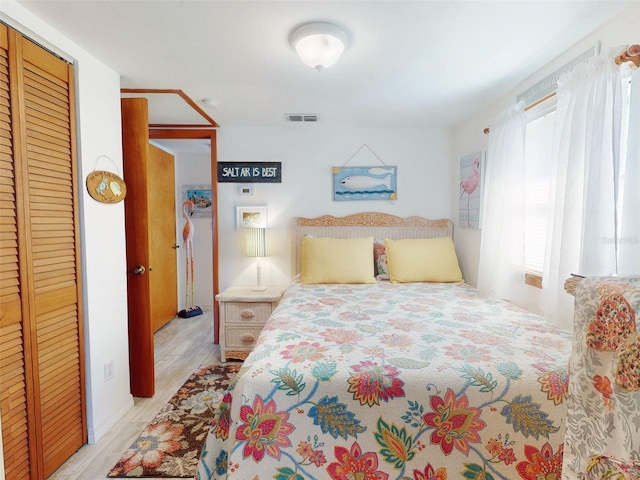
243 313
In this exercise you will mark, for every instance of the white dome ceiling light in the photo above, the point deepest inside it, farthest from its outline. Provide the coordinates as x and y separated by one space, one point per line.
319 44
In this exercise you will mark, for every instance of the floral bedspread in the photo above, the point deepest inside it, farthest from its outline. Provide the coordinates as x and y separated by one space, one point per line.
394 381
603 413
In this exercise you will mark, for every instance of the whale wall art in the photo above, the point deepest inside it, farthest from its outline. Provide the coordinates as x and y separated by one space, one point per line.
365 183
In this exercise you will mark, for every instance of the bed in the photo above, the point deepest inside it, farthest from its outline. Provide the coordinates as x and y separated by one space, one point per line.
394 379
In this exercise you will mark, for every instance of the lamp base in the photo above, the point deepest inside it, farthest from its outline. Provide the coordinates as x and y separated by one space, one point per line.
258 289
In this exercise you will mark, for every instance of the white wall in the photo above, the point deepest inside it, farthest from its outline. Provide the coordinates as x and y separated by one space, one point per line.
102 226
467 240
468 136
308 153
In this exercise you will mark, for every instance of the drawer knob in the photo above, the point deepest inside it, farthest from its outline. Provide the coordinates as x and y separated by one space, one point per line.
247 314
248 339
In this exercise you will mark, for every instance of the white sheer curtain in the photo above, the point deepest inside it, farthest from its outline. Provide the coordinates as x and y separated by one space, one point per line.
594 191
501 267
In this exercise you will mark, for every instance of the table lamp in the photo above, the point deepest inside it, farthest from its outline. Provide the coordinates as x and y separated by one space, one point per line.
257 247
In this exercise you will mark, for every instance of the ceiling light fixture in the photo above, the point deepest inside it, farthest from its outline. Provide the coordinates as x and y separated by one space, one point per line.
319 44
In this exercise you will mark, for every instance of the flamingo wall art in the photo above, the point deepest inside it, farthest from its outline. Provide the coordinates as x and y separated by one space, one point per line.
470 190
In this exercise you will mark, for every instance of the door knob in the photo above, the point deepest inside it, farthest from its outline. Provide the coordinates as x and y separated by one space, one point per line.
139 270
175 245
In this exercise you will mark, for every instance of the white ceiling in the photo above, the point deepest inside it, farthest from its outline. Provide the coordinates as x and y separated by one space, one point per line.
410 63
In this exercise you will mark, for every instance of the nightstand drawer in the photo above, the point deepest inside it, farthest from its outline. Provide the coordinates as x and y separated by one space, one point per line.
243 313
239 337
247 313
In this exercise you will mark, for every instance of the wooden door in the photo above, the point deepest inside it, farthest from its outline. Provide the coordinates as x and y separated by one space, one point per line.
163 278
150 231
41 351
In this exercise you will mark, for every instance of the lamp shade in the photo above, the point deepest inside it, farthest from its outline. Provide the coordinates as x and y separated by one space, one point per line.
257 242
319 44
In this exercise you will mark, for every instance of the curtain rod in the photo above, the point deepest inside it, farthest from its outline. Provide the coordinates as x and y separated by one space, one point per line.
631 54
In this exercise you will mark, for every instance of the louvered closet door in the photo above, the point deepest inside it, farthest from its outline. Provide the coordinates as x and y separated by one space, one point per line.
13 389
52 222
46 204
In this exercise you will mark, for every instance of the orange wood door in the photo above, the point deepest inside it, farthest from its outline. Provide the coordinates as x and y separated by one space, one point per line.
150 230
135 155
163 278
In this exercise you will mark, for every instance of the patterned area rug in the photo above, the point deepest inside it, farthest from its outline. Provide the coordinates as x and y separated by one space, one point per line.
170 445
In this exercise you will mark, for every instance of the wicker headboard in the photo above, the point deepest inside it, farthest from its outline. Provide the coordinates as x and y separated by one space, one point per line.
370 224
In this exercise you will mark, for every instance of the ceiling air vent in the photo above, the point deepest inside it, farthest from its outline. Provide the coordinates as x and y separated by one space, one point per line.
301 117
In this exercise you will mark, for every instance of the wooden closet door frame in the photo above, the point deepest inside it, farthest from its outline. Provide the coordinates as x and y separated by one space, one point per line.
202 134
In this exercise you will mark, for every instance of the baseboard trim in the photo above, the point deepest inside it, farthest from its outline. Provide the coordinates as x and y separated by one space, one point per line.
94 434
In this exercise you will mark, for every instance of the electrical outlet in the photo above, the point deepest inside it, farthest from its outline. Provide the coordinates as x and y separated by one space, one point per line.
108 371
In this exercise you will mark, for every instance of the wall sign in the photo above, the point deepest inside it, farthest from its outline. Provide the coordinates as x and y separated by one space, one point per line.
250 172
105 186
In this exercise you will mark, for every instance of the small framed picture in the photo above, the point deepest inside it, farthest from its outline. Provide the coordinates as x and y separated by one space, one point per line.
200 195
251 217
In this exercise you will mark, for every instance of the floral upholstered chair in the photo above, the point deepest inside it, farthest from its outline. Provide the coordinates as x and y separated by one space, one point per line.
603 421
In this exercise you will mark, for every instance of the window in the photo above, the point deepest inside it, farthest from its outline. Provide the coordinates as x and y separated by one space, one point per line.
538 167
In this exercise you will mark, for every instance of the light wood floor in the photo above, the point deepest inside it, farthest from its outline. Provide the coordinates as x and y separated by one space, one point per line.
181 347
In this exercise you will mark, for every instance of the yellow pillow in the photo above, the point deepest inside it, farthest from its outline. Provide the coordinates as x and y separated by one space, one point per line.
336 260
422 260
